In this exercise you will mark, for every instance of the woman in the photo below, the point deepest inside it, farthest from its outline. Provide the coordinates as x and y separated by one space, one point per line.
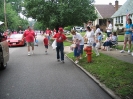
110 41
128 35
91 40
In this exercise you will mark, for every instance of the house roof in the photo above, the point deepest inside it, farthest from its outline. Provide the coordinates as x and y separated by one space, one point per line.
106 11
127 8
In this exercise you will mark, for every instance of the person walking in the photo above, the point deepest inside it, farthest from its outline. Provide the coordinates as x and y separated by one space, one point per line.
109 28
128 35
29 36
79 42
45 42
60 38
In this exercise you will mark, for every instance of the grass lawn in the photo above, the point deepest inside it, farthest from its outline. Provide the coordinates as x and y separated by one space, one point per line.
115 74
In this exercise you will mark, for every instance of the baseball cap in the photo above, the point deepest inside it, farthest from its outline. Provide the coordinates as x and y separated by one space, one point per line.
61 29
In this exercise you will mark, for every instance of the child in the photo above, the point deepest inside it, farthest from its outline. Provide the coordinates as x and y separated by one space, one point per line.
99 38
45 41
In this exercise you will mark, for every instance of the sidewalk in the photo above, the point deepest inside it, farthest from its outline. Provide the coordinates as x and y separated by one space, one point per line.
113 53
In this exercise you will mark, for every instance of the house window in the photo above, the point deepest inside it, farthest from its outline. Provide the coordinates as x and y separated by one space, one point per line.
116 20
121 19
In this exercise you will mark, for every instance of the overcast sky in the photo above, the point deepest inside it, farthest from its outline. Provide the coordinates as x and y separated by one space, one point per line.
121 2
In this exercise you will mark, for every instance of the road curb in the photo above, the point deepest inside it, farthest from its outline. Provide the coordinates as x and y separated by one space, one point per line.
109 91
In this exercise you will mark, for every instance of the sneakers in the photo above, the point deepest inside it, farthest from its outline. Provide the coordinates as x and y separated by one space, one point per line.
122 51
76 61
28 53
128 51
58 60
97 54
80 58
62 61
132 54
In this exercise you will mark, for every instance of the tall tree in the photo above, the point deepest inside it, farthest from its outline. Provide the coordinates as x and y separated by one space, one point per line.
60 12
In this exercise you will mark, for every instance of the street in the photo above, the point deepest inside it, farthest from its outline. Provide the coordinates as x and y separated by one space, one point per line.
40 76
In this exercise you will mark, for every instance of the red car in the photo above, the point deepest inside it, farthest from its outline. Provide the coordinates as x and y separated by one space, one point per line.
16 40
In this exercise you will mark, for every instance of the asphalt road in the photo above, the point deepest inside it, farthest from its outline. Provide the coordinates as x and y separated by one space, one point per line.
40 76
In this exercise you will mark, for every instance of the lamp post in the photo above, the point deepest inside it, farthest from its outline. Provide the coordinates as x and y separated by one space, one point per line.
5 14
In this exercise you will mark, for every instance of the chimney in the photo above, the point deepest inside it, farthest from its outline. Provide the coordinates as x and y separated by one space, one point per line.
110 3
116 5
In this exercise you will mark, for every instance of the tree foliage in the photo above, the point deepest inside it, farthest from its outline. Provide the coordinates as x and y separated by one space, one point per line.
53 13
14 22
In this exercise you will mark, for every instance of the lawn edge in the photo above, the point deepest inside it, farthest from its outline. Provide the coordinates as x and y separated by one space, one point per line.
107 90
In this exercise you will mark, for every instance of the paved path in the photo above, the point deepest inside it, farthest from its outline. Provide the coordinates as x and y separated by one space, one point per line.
40 76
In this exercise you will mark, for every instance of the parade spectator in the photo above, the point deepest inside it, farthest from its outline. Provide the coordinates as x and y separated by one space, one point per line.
109 28
45 42
29 36
110 41
60 38
91 40
79 45
128 35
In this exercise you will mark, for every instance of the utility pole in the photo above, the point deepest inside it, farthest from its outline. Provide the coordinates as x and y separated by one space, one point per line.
5 14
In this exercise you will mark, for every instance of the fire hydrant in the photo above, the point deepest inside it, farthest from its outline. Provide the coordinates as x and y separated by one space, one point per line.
88 51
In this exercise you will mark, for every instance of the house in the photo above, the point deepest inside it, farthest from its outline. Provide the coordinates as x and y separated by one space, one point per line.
120 16
104 13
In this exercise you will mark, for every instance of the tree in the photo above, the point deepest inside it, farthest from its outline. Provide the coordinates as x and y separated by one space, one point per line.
54 13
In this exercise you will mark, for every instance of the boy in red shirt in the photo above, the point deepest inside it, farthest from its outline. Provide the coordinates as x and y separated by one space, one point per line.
45 41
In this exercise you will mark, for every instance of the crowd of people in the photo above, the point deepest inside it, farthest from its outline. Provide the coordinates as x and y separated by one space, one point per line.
93 37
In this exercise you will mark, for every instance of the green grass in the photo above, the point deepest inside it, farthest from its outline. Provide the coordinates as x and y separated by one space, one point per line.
115 74
67 43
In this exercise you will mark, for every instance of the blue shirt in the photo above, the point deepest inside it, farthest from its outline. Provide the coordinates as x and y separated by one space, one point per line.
99 37
128 26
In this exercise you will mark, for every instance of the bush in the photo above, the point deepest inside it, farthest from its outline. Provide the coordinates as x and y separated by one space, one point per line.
68 28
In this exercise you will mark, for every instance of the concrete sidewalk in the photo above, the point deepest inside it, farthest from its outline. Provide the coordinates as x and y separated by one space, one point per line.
113 53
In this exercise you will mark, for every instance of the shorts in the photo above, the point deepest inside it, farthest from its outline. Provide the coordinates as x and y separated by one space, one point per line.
78 50
49 37
30 44
128 37
46 46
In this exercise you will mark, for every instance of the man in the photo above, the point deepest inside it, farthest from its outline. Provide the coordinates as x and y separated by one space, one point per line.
109 29
60 38
79 42
29 36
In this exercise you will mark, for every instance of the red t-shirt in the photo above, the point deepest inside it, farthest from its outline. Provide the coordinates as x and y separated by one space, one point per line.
29 35
45 41
48 32
60 37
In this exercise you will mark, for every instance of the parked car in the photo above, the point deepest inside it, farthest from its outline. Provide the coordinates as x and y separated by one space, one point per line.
79 29
66 32
16 40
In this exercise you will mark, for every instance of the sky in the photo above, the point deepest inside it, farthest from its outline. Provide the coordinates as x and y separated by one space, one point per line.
121 2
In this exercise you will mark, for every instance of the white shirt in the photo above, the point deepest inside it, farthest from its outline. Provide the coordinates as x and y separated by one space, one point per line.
110 28
90 36
79 37
97 31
